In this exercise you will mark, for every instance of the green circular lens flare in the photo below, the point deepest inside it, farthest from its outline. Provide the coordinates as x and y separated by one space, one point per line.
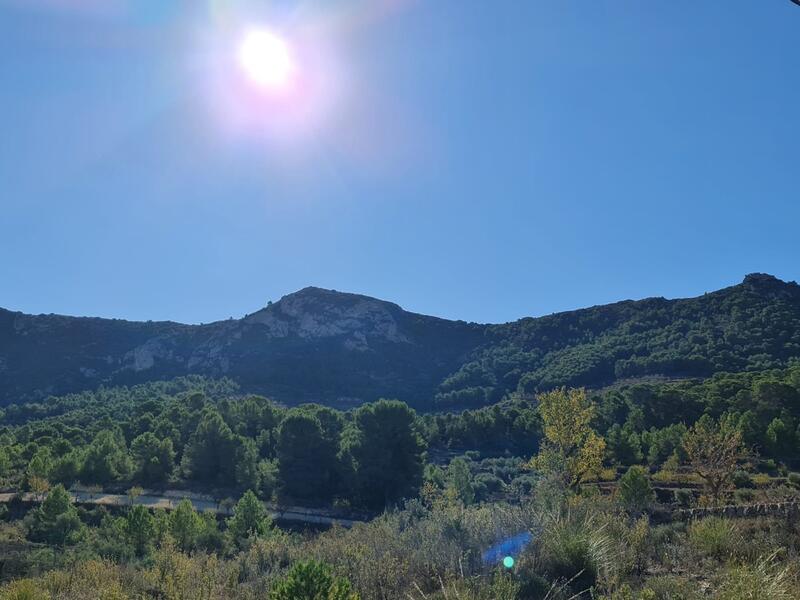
508 562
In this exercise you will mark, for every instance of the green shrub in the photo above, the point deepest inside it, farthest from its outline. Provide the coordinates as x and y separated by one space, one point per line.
761 480
486 484
714 537
744 496
24 589
635 491
684 498
503 587
576 547
250 519
56 520
312 581
459 480
742 479
794 479
669 533
763 581
671 587
769 465
524 484
533 586
499 587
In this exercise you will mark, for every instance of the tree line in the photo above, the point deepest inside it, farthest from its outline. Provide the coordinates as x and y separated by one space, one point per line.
370 457
754 326
204 434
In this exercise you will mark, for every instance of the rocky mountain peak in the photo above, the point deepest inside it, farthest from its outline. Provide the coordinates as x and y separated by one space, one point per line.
766 283
319 313
761 279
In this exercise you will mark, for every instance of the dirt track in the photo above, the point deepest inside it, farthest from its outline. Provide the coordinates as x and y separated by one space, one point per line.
169 502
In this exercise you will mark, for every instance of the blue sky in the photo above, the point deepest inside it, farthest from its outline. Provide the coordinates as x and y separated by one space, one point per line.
469 159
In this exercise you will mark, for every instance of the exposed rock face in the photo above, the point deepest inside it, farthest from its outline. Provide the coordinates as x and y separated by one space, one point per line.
144 357
317 313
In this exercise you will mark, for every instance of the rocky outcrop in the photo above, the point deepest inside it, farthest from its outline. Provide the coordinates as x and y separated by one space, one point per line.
316 313
314 344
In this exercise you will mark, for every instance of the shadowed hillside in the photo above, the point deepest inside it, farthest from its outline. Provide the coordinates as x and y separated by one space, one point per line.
751 326
311 345
342 348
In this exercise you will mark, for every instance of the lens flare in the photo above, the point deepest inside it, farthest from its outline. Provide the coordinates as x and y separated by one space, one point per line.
282 79
266 60
504 551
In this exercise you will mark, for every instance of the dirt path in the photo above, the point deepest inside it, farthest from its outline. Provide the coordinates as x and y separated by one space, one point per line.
169 502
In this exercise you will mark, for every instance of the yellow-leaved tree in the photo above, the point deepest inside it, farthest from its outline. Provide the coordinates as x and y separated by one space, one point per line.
571 447
715 450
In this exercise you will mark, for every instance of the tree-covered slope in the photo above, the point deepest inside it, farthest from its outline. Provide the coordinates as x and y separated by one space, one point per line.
313 345
751 326
336 348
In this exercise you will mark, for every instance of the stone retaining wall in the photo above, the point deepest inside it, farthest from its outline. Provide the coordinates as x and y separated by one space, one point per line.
789 510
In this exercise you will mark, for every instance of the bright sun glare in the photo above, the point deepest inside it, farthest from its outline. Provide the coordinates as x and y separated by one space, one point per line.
266 60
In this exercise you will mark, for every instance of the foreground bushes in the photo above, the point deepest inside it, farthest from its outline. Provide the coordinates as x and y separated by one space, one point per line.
314 581
764 580
574 546
714 537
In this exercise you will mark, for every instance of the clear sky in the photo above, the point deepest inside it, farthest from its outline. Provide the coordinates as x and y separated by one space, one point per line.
473 159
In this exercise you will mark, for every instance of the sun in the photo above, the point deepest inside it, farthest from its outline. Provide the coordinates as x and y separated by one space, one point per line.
266 59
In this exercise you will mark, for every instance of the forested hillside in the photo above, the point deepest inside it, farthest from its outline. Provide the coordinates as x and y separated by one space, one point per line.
749 327
204 434
313 345
573 492
344 349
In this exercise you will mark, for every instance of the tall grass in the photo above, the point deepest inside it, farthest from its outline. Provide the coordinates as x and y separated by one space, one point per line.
574 545
763 580
714 537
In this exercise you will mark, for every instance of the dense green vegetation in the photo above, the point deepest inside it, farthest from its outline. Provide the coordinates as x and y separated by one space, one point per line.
569 537
436 550
644 422
750 327
201 434
205 435
588 478
343 349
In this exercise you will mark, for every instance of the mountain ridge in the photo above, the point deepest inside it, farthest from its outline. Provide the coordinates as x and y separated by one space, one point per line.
343 348
754 279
